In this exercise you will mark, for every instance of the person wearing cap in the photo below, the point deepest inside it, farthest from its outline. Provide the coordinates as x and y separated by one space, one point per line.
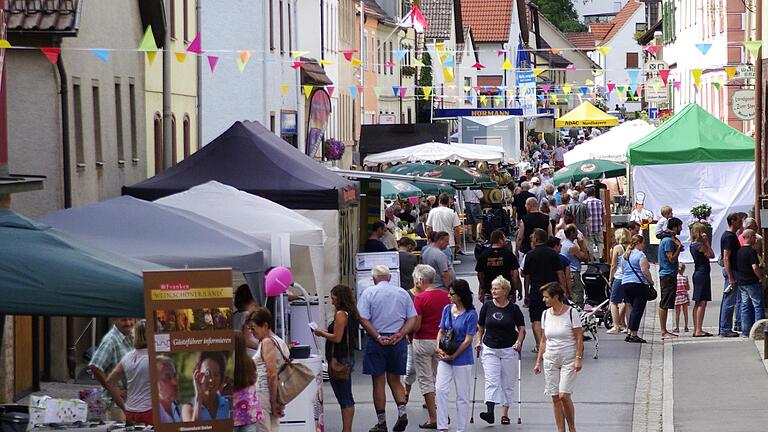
546 175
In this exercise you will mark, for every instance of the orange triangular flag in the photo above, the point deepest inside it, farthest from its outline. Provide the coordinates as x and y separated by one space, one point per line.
52 54
730 71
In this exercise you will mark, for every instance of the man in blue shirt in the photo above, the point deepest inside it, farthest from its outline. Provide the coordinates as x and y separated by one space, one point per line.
669 251
387 314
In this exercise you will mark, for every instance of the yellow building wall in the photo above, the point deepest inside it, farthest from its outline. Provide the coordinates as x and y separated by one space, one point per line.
183 85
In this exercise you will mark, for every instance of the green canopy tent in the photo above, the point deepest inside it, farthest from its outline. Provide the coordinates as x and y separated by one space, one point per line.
464 177
590 168
694 158
46 272
394 189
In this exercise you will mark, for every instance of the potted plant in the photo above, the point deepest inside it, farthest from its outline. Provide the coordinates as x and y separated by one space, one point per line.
334 149
701 214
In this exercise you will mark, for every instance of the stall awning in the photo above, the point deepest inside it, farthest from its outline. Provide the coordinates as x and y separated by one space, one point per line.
313 74
586 114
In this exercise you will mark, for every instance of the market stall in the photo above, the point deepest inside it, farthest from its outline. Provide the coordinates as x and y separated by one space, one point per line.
592 169
463 178
433 152
586 114
611 145
695 158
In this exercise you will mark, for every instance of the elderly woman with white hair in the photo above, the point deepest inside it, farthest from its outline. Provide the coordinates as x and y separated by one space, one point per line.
501 331
429 304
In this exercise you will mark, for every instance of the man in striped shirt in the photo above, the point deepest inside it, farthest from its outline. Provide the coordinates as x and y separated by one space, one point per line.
595 222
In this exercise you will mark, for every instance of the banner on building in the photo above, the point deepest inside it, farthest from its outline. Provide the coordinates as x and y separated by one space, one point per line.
190 341
525 81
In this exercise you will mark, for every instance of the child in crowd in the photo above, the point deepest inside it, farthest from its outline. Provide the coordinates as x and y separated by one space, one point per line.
661 225
681 298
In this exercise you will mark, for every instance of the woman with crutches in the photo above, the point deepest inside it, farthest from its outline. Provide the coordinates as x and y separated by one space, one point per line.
501 330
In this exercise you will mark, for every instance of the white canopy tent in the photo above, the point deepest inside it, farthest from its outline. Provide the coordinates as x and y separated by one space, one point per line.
611 145
438 152
262 219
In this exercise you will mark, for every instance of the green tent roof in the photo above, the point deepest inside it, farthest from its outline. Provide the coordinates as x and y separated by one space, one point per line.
692 135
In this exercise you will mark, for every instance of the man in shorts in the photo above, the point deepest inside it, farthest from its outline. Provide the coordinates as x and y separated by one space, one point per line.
474 212
669 251
541 266
387 314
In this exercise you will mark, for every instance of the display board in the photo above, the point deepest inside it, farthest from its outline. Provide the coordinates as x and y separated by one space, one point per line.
190 342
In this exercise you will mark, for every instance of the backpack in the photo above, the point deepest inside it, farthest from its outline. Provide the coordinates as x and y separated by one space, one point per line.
496 218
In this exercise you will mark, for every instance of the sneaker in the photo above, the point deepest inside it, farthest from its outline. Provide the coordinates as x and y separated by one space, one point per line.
456 262
587 338
381 427
488 417
401 424
626 339
636 339
729 334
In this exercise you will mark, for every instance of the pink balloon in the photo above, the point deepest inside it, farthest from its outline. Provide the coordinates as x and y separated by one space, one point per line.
277 281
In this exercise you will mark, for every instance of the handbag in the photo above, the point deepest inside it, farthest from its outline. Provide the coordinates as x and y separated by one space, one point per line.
650 292
292 378
447 341
337 370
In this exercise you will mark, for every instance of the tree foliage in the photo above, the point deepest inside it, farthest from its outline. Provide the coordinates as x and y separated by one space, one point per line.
561 13
423 111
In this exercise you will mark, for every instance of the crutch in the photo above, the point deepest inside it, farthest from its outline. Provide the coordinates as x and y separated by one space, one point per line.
519 388
474 391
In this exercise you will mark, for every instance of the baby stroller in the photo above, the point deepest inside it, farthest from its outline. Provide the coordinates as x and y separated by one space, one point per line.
597 292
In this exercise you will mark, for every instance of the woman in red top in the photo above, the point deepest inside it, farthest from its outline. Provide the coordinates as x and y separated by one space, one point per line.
429 307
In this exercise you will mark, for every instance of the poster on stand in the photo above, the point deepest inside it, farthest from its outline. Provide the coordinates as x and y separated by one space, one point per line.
191 342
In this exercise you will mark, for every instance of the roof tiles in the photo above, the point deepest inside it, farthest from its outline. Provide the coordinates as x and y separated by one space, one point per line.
600 30
584 40
438 14
42 16
488 19
622 17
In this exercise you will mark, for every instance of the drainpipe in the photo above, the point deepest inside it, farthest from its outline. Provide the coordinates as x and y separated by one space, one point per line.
199 26
322 30
167 133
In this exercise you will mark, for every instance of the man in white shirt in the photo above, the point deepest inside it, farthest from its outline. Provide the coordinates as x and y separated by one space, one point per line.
443 218
546 175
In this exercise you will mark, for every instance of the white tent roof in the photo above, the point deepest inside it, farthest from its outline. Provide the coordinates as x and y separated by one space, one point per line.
611 145
438 152
487 120
256 216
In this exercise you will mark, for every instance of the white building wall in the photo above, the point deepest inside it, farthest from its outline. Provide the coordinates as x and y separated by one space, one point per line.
594 7
624 42
229 95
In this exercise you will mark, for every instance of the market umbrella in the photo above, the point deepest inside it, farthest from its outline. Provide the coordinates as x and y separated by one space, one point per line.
394 189
590 168
586 114
463 177
46 272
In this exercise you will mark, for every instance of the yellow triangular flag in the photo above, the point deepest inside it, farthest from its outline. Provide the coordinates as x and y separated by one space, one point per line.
566 88
297 54
484 100
148 41
507 65
696 77
284 89
554 97
181 56
589 82
511 93
605 50
427 91
538 71
730 71
356 62
448 74
151 56
326 62
4 43
307 91
753 46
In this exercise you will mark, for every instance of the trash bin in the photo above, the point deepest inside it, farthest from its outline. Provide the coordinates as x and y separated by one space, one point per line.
14 418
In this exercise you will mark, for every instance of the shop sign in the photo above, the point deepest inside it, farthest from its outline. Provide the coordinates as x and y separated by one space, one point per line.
655 91
387 119
288 123
190 341
653 68
744 71
743 104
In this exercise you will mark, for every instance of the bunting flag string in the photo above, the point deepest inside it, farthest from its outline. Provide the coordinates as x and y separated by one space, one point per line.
52 54
195 46
102 54
181 57
212 61
696 73
703 47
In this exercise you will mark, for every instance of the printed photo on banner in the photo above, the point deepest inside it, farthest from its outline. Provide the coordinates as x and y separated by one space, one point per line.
167 321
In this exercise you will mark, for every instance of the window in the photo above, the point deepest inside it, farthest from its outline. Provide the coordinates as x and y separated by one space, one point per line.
119 123
632 62
280 27
378 57
186 136
272 122
467 94
134 131
174 152
158 142
77 107
290 28
271 26
97 123
185 24
391 58
172 18
364 54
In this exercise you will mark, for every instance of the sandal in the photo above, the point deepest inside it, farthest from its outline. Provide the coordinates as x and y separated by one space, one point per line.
428 425
505 420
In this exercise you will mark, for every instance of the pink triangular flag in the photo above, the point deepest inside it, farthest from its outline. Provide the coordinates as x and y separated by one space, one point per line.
195 47
330 90
545 88
611 86
478 66
403 91
676 84
212 60
297 64
52 54
570 67
664 74
653 49
348 54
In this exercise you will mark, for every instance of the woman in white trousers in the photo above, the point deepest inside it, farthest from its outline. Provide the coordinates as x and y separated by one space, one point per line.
456 368
501 331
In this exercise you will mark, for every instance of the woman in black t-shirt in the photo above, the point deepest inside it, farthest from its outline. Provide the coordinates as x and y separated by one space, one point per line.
338 343
501 330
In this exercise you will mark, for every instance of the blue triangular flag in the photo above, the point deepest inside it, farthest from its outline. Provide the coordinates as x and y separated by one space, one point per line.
102 54
353 92
584 90
396 91
400 53
471 99
448 61
704 47
633 74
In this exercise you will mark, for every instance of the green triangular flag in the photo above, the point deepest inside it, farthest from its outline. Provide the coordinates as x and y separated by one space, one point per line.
148 41
717 85
417 62
753 46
